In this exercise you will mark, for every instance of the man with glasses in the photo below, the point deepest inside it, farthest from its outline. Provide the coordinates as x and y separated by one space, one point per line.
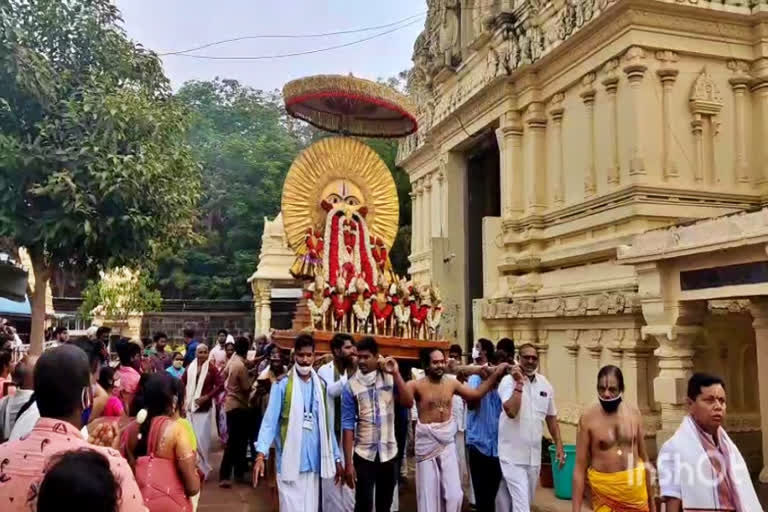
527 399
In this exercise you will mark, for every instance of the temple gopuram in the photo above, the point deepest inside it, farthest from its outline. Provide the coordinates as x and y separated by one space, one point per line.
588 176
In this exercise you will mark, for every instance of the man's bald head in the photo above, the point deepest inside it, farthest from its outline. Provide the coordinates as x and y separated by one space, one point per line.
61 375
24 373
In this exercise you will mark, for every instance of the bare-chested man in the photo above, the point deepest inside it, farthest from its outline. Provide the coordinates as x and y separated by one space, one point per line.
610 451
438 485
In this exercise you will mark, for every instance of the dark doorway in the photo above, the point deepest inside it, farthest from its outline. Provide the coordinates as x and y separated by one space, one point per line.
483 200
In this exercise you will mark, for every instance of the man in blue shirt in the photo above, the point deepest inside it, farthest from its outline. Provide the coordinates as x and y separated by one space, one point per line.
191 343
482 431
297 423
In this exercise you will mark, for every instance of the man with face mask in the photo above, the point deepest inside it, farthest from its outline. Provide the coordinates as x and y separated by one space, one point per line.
62 381
528 400
368 421
335 374
700 468
438 484
296 421
610 451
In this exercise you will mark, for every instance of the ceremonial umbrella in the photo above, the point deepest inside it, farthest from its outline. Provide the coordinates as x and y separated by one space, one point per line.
350 106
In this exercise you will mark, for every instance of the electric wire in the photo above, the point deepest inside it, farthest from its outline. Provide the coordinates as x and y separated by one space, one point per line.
412 19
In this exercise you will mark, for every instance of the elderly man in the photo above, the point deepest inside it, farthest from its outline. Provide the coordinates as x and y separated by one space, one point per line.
699 466
527 400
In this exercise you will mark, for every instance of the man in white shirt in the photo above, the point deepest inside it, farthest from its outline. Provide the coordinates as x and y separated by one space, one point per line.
528 400
335 374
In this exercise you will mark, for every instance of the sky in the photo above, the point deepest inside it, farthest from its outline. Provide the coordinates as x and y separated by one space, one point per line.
173 25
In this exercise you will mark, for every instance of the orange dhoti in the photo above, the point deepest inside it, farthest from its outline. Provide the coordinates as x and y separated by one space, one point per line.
624 491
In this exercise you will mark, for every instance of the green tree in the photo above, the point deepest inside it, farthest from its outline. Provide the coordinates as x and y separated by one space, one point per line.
95 170
246 144
118 294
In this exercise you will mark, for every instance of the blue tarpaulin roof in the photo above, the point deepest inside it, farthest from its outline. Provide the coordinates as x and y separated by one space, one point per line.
9 307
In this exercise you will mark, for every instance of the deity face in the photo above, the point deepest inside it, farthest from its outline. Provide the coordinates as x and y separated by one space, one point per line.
343 194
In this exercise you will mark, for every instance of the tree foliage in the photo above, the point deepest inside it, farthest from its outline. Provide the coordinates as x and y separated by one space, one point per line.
119 293
246 144
95 170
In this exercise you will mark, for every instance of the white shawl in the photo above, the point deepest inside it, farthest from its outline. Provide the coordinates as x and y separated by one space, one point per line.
195 385
291 456
685 471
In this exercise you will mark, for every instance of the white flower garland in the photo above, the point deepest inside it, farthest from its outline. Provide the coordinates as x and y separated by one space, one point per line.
403 314
316 310
362 310
434 319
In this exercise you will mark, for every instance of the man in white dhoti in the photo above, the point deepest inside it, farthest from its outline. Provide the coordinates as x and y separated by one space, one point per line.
296 421
438 484
699 466
338 498
202 384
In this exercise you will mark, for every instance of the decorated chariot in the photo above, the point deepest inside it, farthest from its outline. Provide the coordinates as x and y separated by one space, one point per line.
341 212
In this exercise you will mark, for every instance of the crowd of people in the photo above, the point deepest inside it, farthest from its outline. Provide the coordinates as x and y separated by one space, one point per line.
332 433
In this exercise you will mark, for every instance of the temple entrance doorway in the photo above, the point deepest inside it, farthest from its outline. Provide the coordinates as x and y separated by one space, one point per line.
483 200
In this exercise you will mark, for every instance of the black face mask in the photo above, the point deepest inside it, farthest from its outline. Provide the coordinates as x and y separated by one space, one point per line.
610 406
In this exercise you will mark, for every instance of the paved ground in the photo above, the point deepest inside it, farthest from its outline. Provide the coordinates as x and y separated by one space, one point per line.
243 498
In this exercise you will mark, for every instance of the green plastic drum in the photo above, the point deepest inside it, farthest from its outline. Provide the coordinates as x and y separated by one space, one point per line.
563 477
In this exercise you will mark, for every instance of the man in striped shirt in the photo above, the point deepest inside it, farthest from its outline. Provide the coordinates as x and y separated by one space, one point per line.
368 424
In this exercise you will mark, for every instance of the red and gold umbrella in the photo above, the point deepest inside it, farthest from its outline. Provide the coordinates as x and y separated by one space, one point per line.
350 106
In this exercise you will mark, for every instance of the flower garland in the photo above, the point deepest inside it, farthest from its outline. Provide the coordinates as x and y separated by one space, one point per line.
362 309
317 311
434 319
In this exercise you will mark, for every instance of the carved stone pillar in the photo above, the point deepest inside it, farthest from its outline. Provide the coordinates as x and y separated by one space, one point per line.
427 207
543 348
739 84
635 71
759 309
442 199
535 179
588 97
415 239
265 307
595 349
705 103
760 91
636 361
435 209
510 140
572 348
675 357
611 84
556 112
667 75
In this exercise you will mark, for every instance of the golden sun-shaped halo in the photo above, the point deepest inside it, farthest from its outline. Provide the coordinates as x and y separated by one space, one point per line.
333 159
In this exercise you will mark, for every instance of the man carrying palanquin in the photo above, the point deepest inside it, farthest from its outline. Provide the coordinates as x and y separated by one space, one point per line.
438 484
